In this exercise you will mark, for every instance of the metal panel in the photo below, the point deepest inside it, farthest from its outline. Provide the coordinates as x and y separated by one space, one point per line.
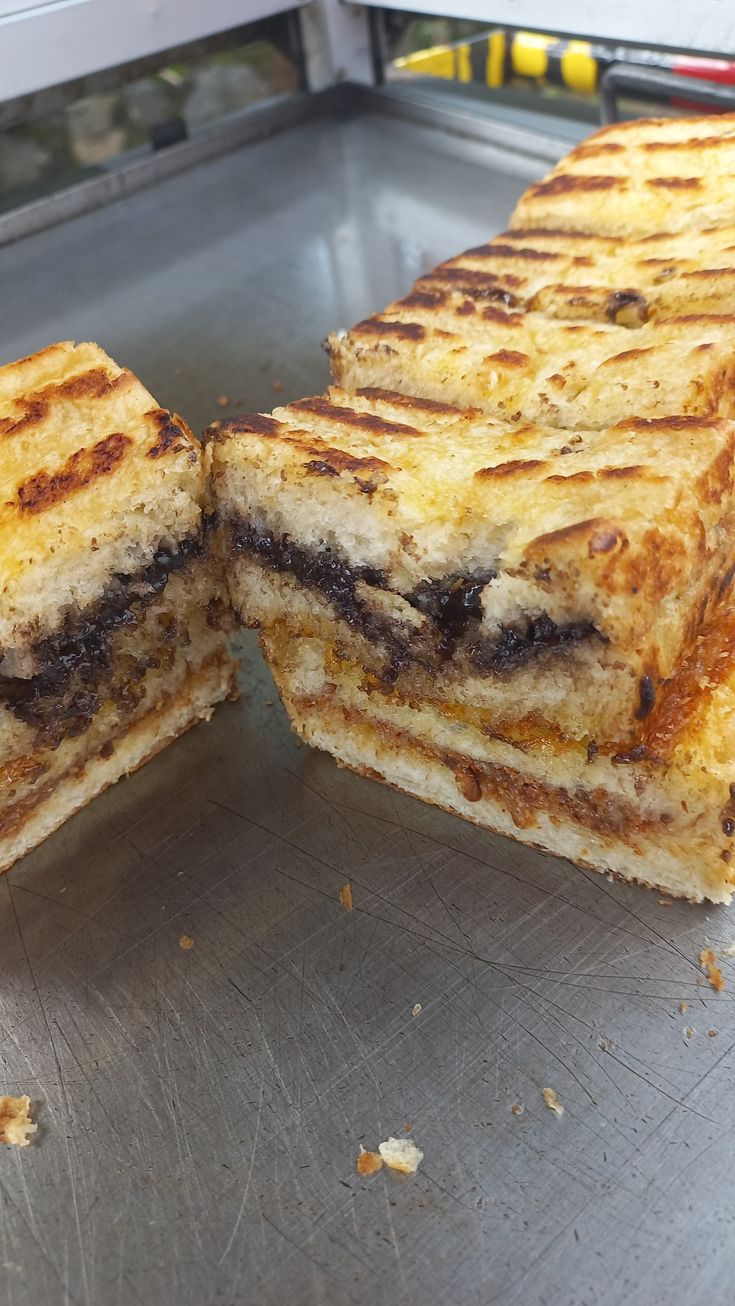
707 27
200 1111
45 44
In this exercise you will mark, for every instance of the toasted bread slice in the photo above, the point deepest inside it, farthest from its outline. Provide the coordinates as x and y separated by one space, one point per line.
580 276
94 478
666 823
634 178
442 345
515 567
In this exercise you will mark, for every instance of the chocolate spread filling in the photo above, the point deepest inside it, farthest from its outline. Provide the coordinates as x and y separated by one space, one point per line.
62 698
452 603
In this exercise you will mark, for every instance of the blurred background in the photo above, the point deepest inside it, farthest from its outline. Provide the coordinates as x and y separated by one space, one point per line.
93 85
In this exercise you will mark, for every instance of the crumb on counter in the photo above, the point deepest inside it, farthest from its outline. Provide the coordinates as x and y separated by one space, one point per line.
186 942
16 1125
369 1162
689 1032
517 1108
708 962
223 400
606 1045
401 1154
729 951
683 1006
665 902
345 897
416 1009
711 1033
552 1101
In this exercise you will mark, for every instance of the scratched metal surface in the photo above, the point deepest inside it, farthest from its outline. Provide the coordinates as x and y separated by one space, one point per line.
200 1111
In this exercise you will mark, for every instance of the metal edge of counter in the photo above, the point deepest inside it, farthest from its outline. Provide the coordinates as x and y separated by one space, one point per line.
345 99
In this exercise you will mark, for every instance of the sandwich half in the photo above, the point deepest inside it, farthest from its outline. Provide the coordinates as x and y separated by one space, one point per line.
114 622
441 593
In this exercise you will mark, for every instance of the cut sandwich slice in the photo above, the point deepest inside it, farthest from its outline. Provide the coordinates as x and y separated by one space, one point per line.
580 276
443 345
634 178
551 578
664 820
114 622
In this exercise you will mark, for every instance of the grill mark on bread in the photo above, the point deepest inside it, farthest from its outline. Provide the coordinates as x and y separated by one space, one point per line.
412 401
675 183
41 491
517 467
35 407
348 417
566 183
378 326
171 436
508 358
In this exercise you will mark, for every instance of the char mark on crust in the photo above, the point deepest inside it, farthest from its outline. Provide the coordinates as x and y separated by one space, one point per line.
246 424
34 408
45 489
410 401
378 326
679 422
508 358
500 250
172 438
569 183
321 407
517 467
423 299
675 183
503 319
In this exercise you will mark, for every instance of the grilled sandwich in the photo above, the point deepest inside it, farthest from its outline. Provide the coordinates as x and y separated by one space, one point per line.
451 576
113 620
635 178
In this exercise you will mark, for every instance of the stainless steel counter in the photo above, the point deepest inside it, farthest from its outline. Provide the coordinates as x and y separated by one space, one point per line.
200 1111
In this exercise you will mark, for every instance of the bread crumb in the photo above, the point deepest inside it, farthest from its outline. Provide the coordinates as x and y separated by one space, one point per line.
408 1126
708 962
345 896
277 387
711 1033
683 1006
223 400
517 1108
186 942
16 1125
665 902
606 1045
729 951
369 1162
416 1009
552 1101
401 1154
689 1032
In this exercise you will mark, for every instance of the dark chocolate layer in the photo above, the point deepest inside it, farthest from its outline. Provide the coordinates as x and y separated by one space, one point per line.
453 604
77 661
